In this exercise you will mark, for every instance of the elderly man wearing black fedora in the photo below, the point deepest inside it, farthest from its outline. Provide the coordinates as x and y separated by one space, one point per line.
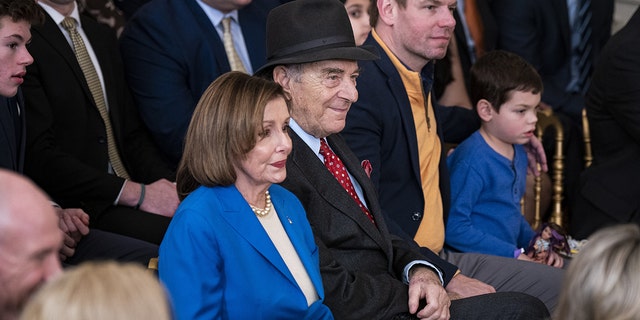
368 273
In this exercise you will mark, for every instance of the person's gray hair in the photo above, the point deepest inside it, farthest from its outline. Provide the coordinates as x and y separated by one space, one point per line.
295 70
603 280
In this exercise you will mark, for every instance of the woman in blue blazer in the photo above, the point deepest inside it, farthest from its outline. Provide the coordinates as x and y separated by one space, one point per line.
238 246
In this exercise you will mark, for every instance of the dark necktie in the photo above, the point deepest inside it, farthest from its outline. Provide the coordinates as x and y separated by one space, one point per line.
338 170
582 27
91 76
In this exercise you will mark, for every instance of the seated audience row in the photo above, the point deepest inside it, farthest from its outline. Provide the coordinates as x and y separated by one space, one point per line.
94 167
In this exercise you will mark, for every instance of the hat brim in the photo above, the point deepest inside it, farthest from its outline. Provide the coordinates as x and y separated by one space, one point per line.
365 52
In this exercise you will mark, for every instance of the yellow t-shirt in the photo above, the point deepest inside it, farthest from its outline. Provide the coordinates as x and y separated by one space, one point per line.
430 233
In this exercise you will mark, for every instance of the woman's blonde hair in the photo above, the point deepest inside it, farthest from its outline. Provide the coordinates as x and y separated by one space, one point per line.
101 291
224 127
603 281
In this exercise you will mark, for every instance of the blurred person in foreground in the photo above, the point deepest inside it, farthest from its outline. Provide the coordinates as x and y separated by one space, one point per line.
602 281
101 291
29 242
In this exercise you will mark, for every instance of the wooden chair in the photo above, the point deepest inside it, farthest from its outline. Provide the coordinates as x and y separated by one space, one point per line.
586 135
546 120
152 266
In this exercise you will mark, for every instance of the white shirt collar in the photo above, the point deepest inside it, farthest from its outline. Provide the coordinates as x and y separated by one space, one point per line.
216 15
311 141
57 17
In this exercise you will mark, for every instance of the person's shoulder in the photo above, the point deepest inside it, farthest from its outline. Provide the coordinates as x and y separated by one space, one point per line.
155 13
200 195
470 145
262 6
469 152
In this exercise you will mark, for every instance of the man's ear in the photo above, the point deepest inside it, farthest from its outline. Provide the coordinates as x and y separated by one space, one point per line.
485 110
386 11
281 77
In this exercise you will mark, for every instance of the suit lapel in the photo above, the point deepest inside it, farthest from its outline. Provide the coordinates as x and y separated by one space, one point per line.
354 167
51 33
330 189
396 88
7 130
102 49
252 20
240 217
562 12
209 35
20 147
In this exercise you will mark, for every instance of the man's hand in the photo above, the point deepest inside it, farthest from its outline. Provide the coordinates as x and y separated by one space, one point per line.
536 155
425 284
160 197
462 286
75 225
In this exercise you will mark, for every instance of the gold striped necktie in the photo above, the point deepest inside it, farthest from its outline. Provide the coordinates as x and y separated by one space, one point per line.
232 55
91 76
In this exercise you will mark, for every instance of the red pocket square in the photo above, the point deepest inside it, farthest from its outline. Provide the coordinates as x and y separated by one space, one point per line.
366 165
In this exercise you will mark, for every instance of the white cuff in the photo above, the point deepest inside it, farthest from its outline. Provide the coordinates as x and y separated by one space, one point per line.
405 276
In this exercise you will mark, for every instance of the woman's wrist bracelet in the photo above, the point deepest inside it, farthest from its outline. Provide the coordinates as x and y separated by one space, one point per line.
141 199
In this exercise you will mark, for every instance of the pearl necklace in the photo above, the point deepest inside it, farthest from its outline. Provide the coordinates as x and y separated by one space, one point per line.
267 208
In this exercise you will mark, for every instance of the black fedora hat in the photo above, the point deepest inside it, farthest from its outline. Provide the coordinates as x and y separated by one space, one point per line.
304 31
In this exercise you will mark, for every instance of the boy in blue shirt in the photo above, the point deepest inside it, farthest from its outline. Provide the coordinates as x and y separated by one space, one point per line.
488 170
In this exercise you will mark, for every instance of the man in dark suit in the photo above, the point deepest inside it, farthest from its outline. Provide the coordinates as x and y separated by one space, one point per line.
173 50
546 34
68 139
609 192
541 32
396 127
80 244
367 272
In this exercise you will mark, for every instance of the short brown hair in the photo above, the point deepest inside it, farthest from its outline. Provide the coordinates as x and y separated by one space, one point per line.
225 126
18 10
497 74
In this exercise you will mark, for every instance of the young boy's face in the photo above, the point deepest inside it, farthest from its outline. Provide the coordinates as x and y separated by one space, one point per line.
14 57
516 121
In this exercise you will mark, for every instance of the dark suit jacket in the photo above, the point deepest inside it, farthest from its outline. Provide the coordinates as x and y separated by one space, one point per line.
609 192
172 53
539 31
12 139
361 265
66 140
380 128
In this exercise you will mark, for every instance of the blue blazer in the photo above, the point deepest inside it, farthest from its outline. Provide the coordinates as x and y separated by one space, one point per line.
172 53
380 129
218 262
